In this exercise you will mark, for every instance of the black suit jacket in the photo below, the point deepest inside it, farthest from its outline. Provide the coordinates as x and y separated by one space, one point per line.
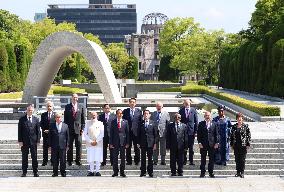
133 122
106 124
45 123
208 138
77 123
29 133
177 140
119 137
147 137
58 140
191 121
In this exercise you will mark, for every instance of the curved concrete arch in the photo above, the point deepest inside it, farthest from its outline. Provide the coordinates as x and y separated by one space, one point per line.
50 55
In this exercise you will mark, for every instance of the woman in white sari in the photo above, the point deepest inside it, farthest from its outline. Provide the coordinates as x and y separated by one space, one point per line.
94 134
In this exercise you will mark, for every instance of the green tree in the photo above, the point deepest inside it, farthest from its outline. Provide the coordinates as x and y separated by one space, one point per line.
3 68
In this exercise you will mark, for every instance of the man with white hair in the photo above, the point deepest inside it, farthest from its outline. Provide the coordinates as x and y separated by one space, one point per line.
161 119
29 139
94 134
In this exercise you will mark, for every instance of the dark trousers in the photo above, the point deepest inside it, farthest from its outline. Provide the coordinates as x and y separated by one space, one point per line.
25 153
105 146
58 155
118 150
190 149
203 153
176 157
240 158
45 148
78 144
149 151
132 139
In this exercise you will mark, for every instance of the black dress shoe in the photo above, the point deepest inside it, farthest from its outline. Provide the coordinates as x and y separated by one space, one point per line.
155 163
202 175
212 175
122 175
69 163
136 163
142 175
24 175
163 163
103 163
129 163
237 175
173 174
98 174
150 174
180 174
36 175
54 175
78 163
44 164
191 163
242 175
91 174
114 175
63 174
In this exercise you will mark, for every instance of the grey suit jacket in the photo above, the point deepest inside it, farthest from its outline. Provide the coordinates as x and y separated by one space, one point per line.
162 123
177 139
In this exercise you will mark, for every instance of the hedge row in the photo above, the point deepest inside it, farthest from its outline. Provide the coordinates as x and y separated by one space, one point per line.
262 109
66 90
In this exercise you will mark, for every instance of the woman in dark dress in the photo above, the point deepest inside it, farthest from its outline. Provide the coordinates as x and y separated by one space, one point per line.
240 142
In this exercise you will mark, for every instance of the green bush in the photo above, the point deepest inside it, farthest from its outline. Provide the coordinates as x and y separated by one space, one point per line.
201 82
262 109
66 90
172 89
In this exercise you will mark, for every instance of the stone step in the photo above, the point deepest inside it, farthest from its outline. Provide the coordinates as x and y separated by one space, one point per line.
196 155
84 151
277 141
230 166
136 173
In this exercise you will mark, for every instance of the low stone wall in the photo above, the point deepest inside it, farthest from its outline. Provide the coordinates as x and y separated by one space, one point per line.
131 89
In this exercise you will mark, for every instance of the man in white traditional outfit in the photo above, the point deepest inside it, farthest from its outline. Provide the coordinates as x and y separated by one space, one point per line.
94 134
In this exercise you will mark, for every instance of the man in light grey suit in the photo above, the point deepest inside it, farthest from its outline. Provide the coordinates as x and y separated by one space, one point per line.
161 119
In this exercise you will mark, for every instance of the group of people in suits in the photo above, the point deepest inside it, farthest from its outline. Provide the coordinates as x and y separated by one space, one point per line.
150 134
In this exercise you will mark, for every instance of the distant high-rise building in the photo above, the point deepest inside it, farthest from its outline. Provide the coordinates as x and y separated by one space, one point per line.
111 22
145 46
39 16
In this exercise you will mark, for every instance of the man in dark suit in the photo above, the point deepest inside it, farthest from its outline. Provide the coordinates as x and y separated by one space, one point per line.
208 141
134 117
29 139
46 119
177 141
189 117
118 142
147 139
74 117
58 138
106 117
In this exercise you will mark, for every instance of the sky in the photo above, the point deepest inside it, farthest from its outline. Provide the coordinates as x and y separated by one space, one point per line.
230 15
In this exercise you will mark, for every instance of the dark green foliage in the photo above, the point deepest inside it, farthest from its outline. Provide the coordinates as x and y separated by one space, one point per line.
131 69
165 72
4 73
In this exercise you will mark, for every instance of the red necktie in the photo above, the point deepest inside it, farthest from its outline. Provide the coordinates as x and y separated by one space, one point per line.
118 124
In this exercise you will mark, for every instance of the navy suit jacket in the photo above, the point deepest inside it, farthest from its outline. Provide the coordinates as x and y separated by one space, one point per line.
208 138
106 124
119 137
191 121
58 140
77 123
147 135
133 122
29 133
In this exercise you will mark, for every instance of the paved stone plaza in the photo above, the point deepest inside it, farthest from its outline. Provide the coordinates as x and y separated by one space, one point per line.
103 184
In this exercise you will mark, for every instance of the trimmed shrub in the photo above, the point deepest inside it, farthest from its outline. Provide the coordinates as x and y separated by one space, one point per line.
66 90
